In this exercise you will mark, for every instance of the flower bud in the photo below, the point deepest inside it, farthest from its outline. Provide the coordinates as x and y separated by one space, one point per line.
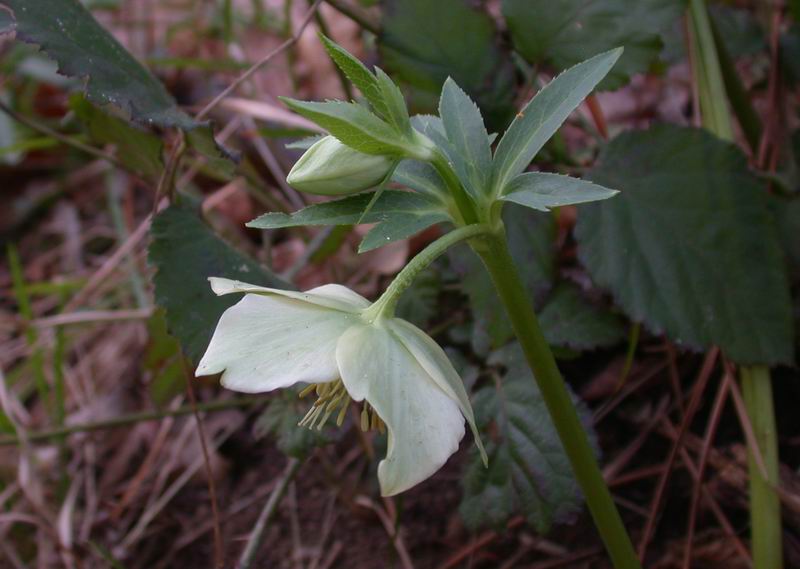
331 168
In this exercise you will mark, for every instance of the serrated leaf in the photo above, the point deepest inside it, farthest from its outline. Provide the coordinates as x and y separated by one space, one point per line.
139 150
348 210
467 134
544 114
68 33
357 73
544 191
352 124
185 252
787 216
570 321
531 238
424 42
420 177
688 247
566 32
396 111
280 418
529 472
400 226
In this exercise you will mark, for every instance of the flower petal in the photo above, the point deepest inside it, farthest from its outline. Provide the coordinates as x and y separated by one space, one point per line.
433 359
267 342
425 424
333 296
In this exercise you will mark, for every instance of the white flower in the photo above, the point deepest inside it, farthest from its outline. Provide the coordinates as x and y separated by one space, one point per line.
326 337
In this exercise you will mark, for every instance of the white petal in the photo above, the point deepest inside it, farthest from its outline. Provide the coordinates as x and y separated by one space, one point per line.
433 359
425 424
330 295
267 342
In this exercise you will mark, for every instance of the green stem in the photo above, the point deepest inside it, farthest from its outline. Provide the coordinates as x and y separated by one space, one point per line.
495 255
386 304
464 203
765 506
765 512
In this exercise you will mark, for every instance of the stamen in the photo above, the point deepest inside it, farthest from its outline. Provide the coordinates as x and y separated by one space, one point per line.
332 397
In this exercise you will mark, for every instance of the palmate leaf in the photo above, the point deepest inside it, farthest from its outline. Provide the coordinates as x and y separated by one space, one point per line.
544 114
566 32
544 191
398 215
471 155
570 321
529 472
352 124
185 252
689 247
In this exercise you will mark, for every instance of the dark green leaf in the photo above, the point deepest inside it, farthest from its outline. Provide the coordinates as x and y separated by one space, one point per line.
347 211
531 236
424 42
280 419
139 150
739 30
68 33
570 321
566 32
529 473
471 155
400 226
544 114
787 215
185 252
688 247
544 191
352 124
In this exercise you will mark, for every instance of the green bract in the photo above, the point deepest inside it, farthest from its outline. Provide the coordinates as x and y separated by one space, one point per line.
330 168
329 338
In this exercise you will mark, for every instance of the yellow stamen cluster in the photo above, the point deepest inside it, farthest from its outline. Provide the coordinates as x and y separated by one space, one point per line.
332 397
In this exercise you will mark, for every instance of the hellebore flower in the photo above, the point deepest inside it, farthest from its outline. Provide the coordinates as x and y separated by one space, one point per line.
328 337
330 168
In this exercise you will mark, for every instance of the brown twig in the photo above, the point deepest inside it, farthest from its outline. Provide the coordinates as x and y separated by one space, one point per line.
711 430
655 506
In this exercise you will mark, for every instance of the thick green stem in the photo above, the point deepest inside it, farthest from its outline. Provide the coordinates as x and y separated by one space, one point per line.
765 505
385 305
495 255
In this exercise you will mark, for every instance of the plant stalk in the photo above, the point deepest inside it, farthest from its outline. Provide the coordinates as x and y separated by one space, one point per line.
495 255
765 505
765 511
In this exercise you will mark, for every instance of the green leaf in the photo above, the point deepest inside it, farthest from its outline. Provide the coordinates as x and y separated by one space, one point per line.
185 252
357 73
544 191
570 321
531 238
529 472
400 226
347 211
566 32
280 419
689 247
424 42
420 177
544 114
472 156
352 124
139 150
68 33
396 110
787 216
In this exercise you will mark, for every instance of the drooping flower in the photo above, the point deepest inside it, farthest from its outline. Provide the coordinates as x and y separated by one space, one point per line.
328 337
